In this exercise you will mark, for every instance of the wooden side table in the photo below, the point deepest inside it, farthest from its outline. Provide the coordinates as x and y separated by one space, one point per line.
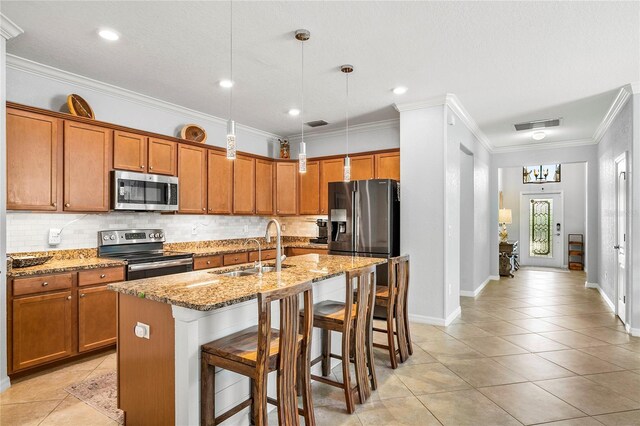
508 254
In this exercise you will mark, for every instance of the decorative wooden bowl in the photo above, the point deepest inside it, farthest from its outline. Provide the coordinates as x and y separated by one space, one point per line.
80 107
193 132
26 261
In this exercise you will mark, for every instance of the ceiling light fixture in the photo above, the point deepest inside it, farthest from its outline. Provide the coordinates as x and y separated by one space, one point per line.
231 125
400 90
108 35
226 84
347 69
538 136
294 112
302 35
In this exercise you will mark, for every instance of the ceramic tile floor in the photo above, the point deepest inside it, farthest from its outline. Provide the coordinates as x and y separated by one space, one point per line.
535 349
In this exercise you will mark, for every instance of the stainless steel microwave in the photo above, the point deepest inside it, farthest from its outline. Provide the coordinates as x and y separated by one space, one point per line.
144 192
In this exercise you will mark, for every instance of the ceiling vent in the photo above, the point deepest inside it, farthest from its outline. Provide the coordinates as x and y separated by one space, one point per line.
316 123
552 122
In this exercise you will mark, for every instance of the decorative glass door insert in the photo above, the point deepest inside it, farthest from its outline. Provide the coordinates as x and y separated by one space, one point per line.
541 236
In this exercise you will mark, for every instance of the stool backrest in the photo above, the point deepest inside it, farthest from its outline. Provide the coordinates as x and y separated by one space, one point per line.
361 283
290 329
399 283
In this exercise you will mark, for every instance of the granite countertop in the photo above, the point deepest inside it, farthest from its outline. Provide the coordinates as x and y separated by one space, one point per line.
212 248
205 291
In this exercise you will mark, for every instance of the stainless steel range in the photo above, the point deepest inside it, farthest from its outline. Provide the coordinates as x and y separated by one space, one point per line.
143 250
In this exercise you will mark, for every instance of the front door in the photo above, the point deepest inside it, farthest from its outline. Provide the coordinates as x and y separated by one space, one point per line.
541 229
621 237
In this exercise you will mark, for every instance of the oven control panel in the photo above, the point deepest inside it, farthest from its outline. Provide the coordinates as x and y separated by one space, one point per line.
130 236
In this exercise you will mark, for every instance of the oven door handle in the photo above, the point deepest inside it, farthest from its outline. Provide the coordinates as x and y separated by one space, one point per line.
158 265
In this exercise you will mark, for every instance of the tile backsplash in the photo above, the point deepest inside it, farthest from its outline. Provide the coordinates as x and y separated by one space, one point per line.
28 231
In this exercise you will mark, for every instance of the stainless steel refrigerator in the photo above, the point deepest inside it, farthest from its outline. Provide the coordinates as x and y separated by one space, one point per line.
364 218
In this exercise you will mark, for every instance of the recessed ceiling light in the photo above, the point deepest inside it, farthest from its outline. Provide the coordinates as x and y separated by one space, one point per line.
226 83
108 35
400 90
538 136
294 112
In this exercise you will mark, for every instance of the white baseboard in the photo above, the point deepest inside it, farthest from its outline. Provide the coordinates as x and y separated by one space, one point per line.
455 314
424 319
494 277
587 284
634 331
474 293
5 384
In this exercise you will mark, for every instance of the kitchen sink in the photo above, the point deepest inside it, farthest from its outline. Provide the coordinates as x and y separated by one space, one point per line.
248 272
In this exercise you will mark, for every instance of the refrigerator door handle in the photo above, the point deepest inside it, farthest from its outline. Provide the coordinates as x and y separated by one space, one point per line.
356 214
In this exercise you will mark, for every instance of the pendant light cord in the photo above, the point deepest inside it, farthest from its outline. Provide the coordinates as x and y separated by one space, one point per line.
231 58
347 114
302 106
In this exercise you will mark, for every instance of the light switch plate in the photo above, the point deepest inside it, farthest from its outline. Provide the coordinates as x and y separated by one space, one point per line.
142 330
54 236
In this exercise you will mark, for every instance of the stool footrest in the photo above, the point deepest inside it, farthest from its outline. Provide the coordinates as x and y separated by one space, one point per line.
221 418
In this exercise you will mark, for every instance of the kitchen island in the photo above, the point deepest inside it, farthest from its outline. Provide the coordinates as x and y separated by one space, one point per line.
159 373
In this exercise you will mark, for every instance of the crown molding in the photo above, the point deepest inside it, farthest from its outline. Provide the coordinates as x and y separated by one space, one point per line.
393 123
8 28
544 145
635 87
427 103
25 65
456 106
621 99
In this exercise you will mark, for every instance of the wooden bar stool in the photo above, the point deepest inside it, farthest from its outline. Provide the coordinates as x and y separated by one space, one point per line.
353 319
391 306
258 350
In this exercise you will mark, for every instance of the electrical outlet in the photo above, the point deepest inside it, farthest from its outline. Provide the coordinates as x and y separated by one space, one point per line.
245 228
142 330
54 236
283 227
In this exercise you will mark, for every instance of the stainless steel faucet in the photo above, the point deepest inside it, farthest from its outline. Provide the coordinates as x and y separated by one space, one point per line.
279 256
259 264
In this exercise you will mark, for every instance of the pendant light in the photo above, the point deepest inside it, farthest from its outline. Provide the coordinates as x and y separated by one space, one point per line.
231 125
302 36
347 69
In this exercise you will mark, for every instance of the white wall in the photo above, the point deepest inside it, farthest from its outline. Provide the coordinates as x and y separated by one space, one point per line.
467 222
4 379
617 140
586 154
573 184
634 230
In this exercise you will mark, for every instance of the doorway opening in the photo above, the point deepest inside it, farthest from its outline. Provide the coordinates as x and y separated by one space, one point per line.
621 237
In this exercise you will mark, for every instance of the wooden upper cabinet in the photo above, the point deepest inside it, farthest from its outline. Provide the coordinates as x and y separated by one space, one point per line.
286 188
264 187
244 185
388 165
33 154
363 167
87 162
330 171
129 151
220 183
41 327
96 318
192 172
309 194
162 157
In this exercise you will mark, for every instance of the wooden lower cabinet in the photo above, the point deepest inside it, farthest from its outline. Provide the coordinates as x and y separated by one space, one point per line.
41 329
207 262
96 318
298 251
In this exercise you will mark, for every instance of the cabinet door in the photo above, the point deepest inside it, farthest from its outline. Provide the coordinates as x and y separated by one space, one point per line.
388 165
220 183
264 187
32 161
330 171
244 185
41 329
162 157
129 152
309 193
192 172
363 167
96 318
87 162
286 188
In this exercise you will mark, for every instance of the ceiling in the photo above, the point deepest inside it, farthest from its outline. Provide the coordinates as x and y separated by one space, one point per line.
507 62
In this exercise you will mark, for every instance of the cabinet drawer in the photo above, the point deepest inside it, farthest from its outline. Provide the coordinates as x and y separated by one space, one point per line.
299 251
236 258
266 255
99 276
207 262
31 285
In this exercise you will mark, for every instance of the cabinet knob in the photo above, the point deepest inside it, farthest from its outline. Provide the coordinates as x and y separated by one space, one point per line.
82 295
203 209
208 262
68 297
150 167
44 284
54 204
142 166
67 205
102 275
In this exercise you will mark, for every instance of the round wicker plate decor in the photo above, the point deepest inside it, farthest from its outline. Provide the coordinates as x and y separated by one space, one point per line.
193 132
80 107
26 261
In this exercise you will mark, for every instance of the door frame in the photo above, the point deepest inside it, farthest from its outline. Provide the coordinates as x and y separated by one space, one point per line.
622 157
542 194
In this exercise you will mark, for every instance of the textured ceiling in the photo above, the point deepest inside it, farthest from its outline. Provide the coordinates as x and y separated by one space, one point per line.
506 62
